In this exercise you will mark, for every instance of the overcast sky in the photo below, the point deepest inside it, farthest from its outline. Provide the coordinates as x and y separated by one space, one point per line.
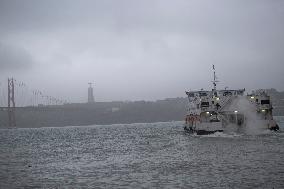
147 49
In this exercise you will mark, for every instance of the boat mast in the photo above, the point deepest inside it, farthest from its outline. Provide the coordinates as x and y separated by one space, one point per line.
214 81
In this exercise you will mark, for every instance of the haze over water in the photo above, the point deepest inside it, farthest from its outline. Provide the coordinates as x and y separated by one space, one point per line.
156 155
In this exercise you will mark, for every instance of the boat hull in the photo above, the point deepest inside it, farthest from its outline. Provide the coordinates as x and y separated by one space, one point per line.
201 132
210 128
204 128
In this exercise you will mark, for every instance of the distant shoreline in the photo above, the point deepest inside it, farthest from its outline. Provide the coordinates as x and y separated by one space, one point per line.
107 113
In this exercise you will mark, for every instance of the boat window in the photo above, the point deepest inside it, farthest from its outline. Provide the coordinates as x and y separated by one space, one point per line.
265 101
202 94
240 92
204 104
190 94
226 93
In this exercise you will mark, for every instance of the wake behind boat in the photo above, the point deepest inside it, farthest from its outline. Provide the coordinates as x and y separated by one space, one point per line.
228 110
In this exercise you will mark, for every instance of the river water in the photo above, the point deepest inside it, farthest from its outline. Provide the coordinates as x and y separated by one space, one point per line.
156 155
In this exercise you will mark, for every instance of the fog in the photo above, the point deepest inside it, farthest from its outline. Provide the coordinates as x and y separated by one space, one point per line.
141 50
253 124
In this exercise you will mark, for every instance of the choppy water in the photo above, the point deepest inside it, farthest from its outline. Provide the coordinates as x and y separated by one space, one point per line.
158 155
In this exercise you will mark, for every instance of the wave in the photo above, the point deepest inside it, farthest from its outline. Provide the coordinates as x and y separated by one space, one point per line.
221 135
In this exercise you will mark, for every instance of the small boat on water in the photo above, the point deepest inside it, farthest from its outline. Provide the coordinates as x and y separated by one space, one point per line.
228 110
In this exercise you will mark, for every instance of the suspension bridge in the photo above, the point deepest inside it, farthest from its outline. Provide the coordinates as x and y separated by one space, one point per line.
16 94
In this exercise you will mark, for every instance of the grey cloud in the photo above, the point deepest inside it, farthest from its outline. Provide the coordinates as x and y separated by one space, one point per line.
153 47
14 58
181 15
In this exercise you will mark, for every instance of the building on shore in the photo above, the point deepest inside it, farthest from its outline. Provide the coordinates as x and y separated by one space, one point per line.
91 98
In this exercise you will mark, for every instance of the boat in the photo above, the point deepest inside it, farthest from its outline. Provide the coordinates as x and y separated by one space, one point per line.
228 110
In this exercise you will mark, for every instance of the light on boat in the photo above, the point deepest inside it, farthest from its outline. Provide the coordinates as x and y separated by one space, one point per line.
252 97
217 98
236 111
263 110
207 112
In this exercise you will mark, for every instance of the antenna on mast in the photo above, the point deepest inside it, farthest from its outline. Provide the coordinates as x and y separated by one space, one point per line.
214 79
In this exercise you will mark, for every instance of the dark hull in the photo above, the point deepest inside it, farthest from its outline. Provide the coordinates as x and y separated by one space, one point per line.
204 132
201 132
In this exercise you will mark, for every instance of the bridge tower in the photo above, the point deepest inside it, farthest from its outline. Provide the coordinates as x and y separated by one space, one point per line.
11 103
